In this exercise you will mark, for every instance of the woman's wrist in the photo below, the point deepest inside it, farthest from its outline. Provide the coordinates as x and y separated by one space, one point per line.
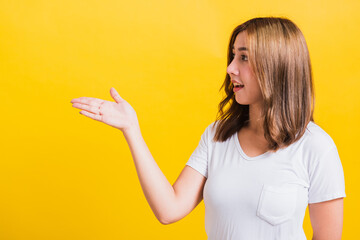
131 131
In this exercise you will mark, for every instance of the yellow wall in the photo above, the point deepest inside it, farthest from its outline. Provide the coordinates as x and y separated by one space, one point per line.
65 176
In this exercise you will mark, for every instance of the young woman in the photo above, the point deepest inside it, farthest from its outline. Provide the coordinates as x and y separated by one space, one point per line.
263 160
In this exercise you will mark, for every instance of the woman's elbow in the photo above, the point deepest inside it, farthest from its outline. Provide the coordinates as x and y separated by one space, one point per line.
165 221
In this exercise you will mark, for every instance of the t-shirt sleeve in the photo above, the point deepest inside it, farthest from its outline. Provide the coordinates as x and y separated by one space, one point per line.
199 158
327 178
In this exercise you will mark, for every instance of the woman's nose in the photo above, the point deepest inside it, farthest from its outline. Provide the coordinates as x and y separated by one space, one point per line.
232 69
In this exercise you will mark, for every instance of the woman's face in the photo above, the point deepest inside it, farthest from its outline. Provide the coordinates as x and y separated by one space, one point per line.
240 72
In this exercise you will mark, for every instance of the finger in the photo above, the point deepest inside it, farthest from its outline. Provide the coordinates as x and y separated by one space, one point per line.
115 95
91 115
88 108
87 100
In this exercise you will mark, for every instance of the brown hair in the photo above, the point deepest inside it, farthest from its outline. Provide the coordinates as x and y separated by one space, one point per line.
279 57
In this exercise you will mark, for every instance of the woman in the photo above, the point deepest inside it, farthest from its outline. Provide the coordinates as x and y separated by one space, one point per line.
263 161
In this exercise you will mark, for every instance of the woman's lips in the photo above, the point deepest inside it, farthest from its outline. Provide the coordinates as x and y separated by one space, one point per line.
235 89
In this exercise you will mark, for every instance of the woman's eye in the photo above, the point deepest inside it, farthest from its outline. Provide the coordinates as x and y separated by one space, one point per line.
243 57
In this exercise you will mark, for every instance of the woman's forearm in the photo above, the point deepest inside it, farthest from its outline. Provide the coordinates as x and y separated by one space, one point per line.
158 191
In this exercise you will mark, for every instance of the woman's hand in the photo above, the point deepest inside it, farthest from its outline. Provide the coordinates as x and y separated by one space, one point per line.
118 114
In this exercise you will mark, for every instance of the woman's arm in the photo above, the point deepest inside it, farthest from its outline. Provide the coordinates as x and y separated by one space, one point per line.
169 203
327 219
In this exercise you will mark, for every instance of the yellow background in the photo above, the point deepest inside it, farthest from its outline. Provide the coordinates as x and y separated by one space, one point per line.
65 176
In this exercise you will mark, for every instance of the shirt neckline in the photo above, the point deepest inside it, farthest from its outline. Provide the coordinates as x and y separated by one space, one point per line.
268 153
242 153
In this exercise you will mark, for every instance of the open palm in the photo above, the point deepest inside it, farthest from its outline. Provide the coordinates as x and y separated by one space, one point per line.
118 114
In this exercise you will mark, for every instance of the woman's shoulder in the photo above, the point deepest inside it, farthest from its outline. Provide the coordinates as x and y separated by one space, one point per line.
316 138
210 130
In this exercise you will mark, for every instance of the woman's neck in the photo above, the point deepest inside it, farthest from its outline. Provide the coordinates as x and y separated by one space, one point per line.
256 120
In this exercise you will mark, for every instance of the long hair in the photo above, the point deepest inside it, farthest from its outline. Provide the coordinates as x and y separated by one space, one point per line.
279 57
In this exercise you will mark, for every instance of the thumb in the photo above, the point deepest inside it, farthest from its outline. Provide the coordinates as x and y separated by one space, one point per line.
115 95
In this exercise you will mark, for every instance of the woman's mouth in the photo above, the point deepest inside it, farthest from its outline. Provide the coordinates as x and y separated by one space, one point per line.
238 87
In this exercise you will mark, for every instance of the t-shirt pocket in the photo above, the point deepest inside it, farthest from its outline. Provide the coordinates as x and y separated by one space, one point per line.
277 203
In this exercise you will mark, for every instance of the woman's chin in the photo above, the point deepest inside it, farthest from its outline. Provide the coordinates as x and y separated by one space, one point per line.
241 102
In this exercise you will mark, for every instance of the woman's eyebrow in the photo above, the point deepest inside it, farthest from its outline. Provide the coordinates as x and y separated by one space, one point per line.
241 48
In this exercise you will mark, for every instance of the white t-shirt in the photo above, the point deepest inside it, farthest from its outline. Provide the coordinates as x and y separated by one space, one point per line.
265 197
